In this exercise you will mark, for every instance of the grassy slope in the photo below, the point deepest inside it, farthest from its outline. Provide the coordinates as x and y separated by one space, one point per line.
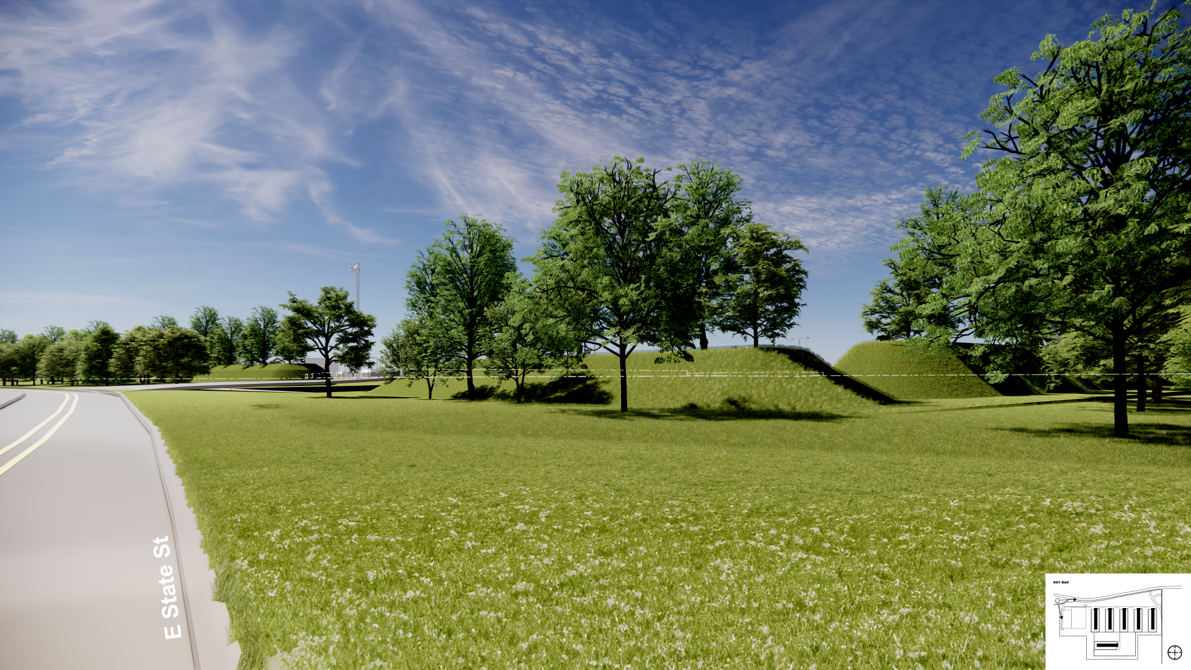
716 379
271 371
417 534
883 366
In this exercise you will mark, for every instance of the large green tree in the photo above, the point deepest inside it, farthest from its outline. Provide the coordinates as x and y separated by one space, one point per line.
927 258
97 352
603 264
60 360
525 339
126 352
225 341
204 321
708 212
27 354
414 351
1088 191
333 328
455 281
174 351
763 285
259 343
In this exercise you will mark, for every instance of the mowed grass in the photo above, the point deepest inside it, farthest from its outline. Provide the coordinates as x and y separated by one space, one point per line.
886 367
365 531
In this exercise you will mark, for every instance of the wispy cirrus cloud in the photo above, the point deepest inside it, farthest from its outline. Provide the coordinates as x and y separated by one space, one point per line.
147 94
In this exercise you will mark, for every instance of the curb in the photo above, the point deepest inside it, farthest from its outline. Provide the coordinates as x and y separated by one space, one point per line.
9 402
210 625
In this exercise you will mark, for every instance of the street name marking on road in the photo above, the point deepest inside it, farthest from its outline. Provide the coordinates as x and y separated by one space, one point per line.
161 549
7 466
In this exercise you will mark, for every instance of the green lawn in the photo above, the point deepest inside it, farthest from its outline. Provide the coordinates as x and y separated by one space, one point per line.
373 531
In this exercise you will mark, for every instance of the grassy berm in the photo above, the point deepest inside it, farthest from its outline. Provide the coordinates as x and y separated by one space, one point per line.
248 372
370 531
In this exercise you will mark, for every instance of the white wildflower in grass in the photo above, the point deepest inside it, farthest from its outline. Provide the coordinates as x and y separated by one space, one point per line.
573 537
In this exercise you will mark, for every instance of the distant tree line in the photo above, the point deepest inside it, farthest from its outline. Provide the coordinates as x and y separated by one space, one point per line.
161 350
1075 243
632 259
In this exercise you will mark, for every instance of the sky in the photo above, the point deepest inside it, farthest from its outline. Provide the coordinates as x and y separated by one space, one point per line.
159 156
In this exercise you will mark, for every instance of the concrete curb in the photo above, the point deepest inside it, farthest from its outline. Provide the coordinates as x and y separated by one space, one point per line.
209 620
9 402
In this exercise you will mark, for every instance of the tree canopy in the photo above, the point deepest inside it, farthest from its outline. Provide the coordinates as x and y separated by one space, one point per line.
333 328
454 282
1079 222
604 262
763 285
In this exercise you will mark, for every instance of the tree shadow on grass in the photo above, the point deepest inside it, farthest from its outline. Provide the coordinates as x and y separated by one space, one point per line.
575 390
689 413
1145 433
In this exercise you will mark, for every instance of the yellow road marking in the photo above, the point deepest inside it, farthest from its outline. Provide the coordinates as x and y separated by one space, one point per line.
40 442
65 399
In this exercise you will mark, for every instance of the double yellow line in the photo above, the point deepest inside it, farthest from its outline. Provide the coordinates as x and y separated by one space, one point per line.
4 468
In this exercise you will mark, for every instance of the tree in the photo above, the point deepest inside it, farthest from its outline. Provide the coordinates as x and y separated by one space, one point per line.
764 286
8 336
455 281
163 322
917 288
414 353
53 333
225 341
8 363
60 360
525 339
333 328
27 355
97 352
290 349
259 343
127 351
603 263
180 352
707 213
204 321
1086 225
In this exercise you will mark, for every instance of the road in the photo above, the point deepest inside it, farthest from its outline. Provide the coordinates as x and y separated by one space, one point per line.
99 559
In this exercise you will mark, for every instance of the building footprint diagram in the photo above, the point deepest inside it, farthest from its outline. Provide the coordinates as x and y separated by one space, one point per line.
1130 621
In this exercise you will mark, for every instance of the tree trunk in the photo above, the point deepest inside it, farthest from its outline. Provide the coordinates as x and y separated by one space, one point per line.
624 379
702 335
754 337
1141 384
1120 401
471 384
1157 389
429 387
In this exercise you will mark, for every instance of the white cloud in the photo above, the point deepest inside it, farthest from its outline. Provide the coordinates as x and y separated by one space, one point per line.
149 94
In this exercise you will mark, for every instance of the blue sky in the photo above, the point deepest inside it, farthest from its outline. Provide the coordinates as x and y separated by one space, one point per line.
157 156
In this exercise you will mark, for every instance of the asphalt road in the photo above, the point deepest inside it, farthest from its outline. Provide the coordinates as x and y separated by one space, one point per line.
95 572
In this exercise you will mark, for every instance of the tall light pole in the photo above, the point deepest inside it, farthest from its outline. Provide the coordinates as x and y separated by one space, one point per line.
357 271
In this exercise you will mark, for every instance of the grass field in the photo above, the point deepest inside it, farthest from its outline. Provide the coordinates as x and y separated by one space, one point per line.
372 531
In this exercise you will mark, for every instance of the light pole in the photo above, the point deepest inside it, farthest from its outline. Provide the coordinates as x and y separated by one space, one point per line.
805 337
357 271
